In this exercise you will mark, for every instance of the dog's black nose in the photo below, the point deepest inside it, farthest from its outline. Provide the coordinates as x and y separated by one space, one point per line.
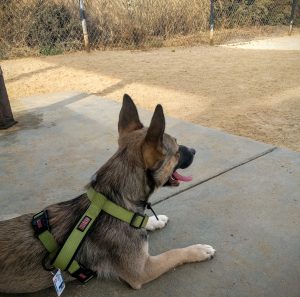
193 151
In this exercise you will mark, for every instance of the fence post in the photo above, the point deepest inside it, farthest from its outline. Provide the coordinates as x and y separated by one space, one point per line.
84 27
292 16
211 22
6 116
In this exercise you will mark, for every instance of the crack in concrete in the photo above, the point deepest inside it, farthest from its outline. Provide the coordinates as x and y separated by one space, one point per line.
218 174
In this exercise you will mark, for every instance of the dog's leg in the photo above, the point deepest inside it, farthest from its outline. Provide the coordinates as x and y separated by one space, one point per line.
154 224
154 266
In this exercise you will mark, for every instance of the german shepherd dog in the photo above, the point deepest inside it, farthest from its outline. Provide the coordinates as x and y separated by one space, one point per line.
147 158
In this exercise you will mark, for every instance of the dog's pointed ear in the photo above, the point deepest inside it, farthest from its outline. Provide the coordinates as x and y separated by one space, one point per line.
153 150
129 117
156 129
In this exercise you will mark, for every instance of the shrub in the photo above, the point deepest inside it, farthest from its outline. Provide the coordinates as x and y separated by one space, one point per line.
52 27
234 13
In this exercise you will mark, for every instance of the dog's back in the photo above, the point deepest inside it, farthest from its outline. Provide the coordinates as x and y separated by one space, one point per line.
19 252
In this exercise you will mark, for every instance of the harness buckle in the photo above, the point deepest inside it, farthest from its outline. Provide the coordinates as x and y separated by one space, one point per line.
40 222
83 274
133 220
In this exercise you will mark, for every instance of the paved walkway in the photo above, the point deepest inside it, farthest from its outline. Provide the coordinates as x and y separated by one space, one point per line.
244 199
285 43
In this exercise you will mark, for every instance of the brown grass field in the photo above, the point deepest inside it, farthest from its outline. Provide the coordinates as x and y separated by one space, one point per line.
250 93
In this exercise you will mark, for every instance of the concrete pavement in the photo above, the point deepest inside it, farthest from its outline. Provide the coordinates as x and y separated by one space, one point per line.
244 199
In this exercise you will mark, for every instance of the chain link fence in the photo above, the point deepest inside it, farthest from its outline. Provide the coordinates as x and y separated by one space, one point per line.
47 27
240 20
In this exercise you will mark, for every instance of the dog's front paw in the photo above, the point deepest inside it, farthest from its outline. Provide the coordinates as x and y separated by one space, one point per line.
202 252
154 224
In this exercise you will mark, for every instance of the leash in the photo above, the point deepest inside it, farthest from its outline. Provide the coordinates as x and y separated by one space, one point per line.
63 257
149 206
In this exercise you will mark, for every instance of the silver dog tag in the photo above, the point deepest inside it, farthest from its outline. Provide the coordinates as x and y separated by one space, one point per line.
58 282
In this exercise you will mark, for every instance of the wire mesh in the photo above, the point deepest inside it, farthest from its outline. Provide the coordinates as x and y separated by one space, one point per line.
237 20
47 27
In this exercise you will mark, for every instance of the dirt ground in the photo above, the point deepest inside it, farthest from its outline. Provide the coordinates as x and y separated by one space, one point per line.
253 93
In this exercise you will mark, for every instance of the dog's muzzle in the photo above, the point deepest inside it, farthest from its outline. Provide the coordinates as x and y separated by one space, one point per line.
186 157
185 160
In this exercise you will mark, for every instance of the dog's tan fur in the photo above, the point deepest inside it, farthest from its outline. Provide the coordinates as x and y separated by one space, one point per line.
145 160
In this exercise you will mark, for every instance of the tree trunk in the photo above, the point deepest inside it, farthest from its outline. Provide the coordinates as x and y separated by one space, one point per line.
6 116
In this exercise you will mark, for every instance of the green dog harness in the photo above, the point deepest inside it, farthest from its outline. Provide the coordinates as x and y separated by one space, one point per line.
63 257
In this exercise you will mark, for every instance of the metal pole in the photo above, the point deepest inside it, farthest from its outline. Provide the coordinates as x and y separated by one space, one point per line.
84 27
211 22
6 116
292 16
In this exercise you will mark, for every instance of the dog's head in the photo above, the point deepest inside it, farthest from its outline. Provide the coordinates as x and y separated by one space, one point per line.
157 152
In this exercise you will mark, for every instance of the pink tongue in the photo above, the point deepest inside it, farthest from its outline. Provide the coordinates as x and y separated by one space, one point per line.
181 177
